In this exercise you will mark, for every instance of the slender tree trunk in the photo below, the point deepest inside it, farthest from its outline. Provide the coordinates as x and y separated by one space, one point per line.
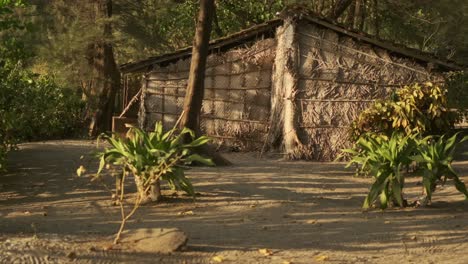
196 81
357 14
217 28
375 18
339 8
106 76
195 88
350 16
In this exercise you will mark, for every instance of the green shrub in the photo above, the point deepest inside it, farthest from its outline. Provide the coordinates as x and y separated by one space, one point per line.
32 107
435 155
384 158
35 108
154 156
416 109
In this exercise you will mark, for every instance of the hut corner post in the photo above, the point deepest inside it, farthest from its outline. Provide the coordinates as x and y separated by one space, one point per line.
142 122
283 118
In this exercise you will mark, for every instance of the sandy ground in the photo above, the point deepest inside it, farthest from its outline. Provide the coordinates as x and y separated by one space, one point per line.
303 212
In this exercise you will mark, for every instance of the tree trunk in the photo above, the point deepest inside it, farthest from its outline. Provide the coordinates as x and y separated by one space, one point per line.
376 18
195 87
105 73
196 81
217 28
339 8
152 195
357 14
283 116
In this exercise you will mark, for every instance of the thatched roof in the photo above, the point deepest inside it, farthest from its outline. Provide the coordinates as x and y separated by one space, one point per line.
267 29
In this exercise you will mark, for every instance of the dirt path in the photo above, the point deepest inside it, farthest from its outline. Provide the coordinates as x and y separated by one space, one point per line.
303 212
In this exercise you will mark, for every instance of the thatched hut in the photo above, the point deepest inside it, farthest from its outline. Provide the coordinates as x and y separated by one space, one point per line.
292 84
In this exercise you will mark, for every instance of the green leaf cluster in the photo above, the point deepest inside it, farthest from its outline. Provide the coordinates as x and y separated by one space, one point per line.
384 158
155 155
435 155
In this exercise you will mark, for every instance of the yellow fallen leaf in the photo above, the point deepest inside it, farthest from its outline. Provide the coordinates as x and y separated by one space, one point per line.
186 213
265 252
80 171
322 258
218 259
286 262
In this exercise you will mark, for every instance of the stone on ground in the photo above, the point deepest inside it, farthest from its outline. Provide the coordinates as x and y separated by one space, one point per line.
155 240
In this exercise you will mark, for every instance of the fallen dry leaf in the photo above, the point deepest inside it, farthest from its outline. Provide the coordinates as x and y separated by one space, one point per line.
218 259
108 247
265 252
186 213
80 171
322 258
286 262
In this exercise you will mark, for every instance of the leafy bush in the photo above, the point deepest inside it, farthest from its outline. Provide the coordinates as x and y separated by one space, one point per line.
150 157
416 109
384 158
32 107
435 155
38 108
457 86
154 156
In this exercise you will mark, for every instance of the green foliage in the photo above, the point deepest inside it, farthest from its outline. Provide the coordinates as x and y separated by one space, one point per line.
32 107
154 156
435 155
383 157
416 109
457 86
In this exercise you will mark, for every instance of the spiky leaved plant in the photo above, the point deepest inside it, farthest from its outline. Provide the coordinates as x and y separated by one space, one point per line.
384 158
154 156
435 156
151 157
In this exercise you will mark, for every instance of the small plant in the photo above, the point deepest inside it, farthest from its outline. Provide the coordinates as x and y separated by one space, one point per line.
383 157
435 155
150 158
154 156
386 157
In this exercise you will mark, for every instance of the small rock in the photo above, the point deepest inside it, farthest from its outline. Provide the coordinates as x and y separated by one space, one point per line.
156 240
71 255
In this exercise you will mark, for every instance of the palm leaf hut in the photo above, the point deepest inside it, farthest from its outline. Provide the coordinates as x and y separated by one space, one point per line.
291 85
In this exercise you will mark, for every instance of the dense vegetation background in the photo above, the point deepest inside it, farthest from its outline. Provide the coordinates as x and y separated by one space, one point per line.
58 58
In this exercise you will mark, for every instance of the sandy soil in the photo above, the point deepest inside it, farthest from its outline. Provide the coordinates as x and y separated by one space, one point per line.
303 212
